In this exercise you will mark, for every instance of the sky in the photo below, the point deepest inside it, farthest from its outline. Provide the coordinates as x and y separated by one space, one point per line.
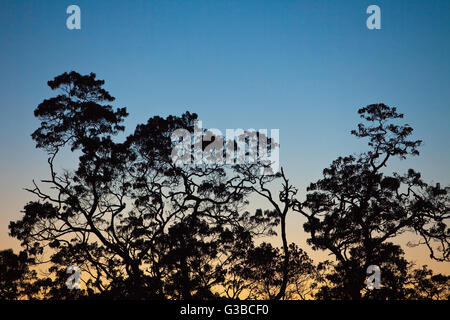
303 67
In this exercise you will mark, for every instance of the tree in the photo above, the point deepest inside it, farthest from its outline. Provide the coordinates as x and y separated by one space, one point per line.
427 285
261 274
356 208
277 216
400 280
137 224
140 226
15 275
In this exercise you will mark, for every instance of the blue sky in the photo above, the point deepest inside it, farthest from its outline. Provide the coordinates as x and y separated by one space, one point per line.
303 67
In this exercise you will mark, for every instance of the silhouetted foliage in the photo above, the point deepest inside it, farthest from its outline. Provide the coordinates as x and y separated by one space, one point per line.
357 208
14 274
137 224
261 274
141 227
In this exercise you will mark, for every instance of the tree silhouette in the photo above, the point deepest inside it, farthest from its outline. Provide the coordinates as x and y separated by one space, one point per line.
137 224
400 280
280 208
261 274
357 208
140 226
15 275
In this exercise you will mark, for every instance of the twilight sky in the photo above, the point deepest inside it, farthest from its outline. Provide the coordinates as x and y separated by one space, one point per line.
303 67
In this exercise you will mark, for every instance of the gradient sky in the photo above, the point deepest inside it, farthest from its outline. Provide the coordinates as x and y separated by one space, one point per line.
303 67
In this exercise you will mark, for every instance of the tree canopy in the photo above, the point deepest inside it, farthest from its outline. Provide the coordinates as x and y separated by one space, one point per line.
141 227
